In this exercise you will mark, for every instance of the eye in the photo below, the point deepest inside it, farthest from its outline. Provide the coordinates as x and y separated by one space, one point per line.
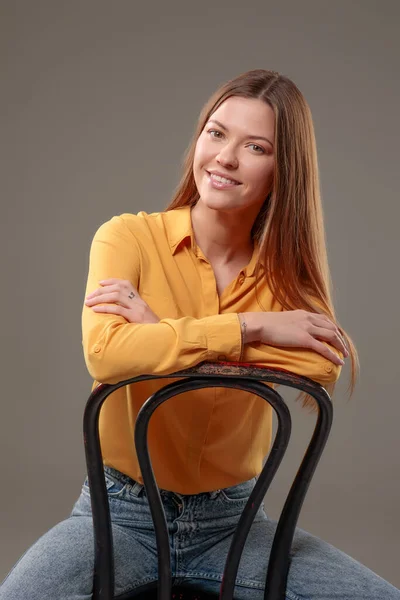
259 148
210 131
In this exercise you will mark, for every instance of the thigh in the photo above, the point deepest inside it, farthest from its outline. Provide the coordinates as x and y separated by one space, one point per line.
318 571
60 564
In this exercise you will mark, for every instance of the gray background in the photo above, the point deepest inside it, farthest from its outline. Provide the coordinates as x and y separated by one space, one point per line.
99 101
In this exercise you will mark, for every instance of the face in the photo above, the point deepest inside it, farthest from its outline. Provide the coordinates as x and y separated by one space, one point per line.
236 143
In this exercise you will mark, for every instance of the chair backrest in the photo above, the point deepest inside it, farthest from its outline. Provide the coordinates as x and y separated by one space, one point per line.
229 375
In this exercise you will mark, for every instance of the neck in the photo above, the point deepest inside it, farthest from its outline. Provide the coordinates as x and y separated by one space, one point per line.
222 237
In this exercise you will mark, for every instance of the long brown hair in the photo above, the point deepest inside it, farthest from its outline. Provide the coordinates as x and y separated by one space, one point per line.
289 227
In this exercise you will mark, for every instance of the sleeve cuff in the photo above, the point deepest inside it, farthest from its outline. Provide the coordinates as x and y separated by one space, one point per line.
224 338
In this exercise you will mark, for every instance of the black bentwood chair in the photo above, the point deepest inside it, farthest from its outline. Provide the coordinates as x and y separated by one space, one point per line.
206 375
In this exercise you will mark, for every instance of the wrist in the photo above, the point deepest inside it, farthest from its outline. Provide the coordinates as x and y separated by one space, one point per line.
243 327
250 327
149 316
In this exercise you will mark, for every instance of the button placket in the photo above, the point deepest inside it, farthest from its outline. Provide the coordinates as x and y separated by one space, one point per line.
210 294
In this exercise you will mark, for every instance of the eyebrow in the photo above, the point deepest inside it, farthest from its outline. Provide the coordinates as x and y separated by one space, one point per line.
251 137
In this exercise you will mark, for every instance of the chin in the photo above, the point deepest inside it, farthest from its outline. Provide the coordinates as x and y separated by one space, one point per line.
216 203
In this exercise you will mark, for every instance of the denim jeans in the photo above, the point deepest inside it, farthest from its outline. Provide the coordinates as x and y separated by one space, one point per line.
59 566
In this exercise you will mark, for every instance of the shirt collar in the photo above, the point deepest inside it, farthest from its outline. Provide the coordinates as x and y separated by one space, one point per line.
178 225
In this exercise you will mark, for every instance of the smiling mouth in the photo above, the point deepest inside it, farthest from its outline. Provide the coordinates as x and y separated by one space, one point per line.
221 179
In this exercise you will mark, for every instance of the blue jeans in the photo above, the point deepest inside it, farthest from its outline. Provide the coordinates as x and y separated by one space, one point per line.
59 566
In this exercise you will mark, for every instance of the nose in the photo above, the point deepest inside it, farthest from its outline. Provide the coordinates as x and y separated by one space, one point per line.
227 158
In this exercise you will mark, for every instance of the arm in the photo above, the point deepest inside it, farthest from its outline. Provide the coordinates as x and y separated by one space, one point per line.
115 350
299 360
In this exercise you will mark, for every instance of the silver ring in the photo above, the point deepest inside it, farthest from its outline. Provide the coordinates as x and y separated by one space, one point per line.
131 295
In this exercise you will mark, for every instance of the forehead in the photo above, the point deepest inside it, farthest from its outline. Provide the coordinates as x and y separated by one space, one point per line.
247 116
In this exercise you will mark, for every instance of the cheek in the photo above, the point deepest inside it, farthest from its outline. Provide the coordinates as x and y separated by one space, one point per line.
264 177
202 153
200 160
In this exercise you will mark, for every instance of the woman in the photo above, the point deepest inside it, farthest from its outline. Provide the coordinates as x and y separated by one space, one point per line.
235 269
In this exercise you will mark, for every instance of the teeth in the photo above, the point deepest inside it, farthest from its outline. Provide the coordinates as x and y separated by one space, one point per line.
222 179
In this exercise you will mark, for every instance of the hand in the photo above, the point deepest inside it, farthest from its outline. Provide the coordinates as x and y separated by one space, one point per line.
114 298
304 329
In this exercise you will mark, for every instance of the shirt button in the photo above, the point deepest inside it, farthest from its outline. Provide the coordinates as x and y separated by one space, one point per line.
96 348
222 357
328 368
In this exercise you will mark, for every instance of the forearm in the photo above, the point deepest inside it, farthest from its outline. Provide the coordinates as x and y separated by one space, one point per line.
115 351
296 359
301 361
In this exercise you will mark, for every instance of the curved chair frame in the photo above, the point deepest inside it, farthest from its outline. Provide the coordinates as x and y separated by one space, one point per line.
230 375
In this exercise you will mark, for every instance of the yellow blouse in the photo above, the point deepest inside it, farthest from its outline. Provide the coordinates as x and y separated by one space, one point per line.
202 440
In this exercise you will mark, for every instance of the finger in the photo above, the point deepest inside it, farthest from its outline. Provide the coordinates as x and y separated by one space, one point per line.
119 284
329 336
324 321
113 297
111 289
325 351
347 353
101 291
317 318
